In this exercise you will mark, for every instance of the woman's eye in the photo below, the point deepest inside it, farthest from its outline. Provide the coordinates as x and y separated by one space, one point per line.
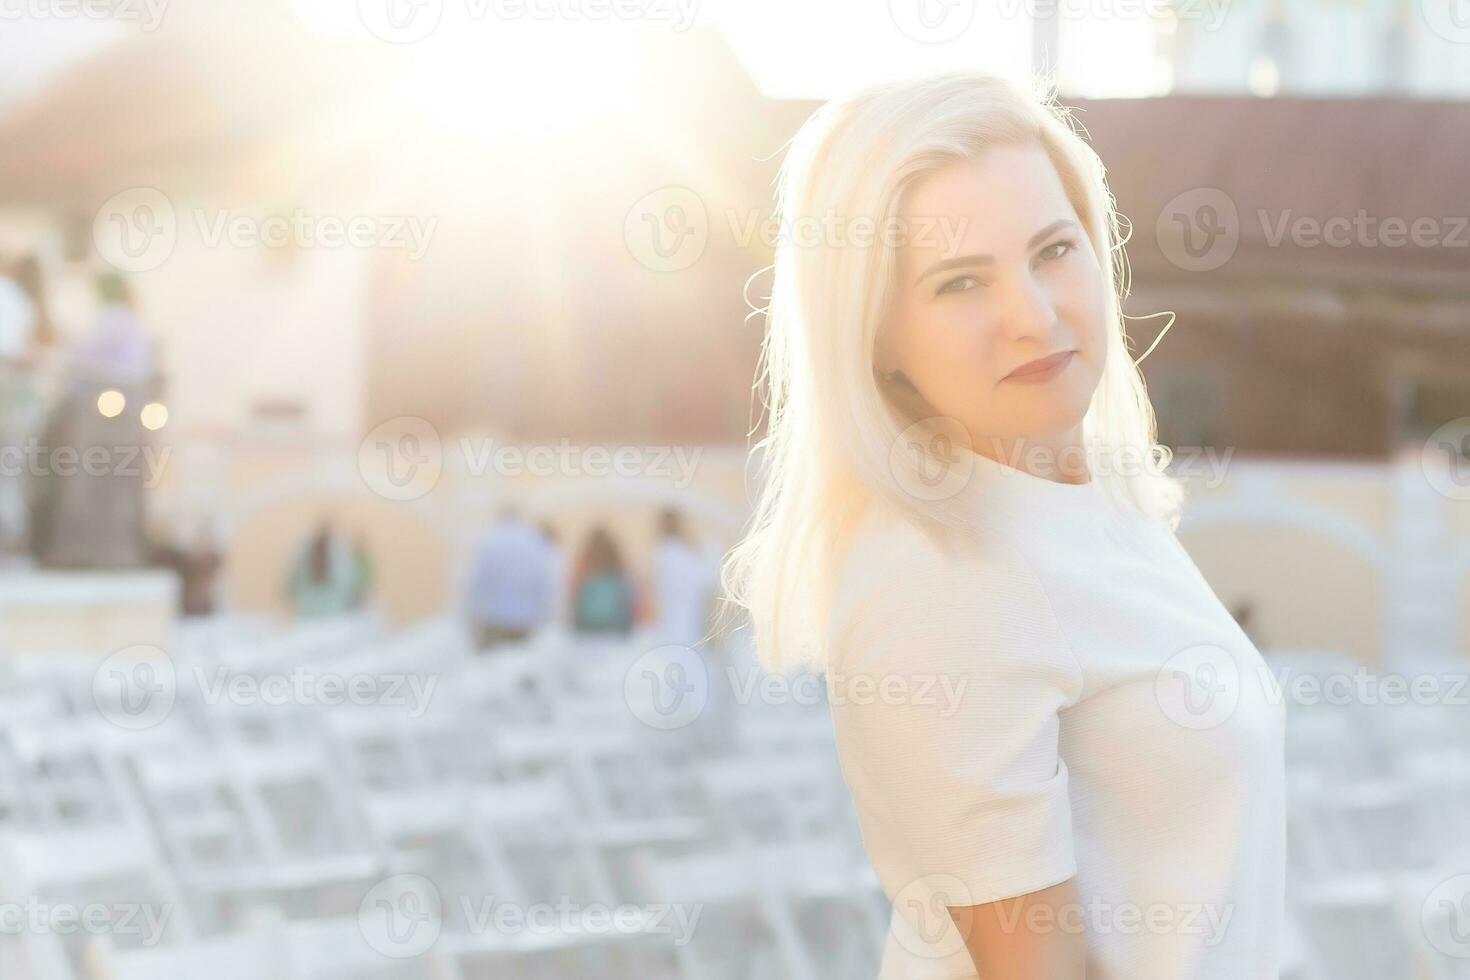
1057 249
958 284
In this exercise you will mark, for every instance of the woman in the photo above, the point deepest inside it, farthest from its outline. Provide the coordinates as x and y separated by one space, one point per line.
602 597
1064 753
684 579
93 516
328 576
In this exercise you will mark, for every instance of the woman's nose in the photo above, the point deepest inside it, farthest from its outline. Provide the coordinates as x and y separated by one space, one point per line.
1027 310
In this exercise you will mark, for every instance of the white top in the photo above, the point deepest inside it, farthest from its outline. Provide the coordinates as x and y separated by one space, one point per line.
17 319
685 579
511 580
1057 692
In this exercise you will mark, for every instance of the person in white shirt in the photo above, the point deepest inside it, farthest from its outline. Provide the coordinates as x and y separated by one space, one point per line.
511 589
684 578
1065 755
26 336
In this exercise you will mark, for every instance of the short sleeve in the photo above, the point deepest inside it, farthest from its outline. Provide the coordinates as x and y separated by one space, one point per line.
946 674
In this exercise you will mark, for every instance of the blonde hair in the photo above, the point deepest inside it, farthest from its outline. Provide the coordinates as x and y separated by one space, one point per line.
830 427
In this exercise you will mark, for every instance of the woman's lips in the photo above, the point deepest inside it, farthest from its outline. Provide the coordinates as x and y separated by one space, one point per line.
1036 372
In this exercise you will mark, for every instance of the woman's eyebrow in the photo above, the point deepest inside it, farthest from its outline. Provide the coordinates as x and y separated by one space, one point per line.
973 260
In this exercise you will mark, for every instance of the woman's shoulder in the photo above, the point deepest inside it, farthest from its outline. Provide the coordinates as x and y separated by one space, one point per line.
905 575
891 546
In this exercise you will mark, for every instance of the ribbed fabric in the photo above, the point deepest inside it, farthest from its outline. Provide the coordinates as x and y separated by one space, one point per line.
1055 693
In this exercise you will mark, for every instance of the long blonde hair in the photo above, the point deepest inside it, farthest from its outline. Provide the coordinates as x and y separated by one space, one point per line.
830 427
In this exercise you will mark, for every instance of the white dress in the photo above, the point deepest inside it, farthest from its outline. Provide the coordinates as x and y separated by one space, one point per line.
1057 692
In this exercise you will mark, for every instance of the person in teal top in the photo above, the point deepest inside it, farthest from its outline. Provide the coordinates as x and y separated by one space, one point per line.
329 577
603 597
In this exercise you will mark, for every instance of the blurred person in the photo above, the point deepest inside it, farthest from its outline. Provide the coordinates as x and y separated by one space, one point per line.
196 563
202 564
26 336
1244 613
602 592
363 569
510 587
684 582
964 493
92 516
326 576
560 572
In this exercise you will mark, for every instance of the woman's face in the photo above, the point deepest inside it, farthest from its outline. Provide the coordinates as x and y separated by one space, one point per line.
967 323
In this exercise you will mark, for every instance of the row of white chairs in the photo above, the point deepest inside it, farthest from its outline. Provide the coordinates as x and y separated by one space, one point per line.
527 778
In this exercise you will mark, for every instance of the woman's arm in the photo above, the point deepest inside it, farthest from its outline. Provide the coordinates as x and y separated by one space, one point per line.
1030 937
